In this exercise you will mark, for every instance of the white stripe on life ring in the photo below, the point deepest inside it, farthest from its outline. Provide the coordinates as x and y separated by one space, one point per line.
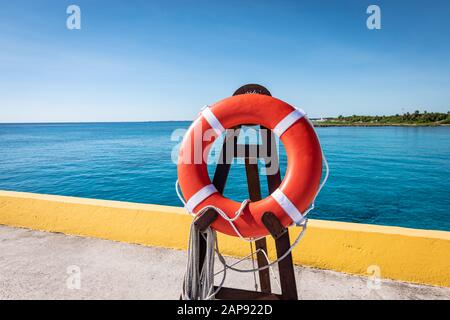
288 121
288 206
213 121
199 196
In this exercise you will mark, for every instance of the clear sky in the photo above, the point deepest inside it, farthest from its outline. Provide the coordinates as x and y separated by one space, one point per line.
140 60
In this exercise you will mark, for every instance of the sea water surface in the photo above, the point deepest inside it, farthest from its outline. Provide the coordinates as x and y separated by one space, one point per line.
396 176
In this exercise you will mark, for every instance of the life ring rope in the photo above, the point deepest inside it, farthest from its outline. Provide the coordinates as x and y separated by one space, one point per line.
230 220
287 207
298 218
282 126
207 279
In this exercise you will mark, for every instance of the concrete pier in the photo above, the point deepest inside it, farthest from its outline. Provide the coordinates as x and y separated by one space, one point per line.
41 265
400 254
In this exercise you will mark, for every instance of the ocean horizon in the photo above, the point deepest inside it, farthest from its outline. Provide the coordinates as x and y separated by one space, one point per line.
398 176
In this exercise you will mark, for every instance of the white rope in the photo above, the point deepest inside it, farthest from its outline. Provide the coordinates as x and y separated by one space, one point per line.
327 173
253 266
198 281
255 253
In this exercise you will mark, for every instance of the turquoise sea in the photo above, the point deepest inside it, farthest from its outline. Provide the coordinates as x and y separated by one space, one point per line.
385 175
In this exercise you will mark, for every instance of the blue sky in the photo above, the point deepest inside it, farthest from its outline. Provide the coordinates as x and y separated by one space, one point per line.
163 60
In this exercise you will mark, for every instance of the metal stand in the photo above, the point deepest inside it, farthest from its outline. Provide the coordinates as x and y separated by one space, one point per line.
273 225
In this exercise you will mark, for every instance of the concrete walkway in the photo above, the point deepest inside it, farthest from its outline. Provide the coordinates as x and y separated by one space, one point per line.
39 265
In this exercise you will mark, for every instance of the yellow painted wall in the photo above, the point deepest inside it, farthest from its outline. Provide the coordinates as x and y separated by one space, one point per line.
419 256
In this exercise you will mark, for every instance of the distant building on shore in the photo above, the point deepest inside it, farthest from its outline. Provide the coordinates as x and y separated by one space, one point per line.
322 119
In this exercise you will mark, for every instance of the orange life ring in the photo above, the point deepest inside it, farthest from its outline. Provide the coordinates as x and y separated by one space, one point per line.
303 173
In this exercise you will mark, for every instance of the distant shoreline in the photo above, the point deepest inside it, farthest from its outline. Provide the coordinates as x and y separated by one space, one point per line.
317 124
416 119
324 125
90 122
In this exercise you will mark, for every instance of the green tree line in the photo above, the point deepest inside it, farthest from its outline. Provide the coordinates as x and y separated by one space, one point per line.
410 118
